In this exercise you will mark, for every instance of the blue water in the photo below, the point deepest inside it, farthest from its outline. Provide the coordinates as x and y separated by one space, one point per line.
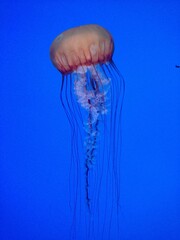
35 136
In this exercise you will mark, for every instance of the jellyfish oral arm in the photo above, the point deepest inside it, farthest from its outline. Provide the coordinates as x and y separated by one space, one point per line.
91 88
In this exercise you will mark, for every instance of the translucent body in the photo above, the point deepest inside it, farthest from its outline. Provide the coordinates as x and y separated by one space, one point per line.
92 94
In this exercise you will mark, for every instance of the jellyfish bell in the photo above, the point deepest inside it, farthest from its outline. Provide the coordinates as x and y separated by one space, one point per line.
84 45
92 92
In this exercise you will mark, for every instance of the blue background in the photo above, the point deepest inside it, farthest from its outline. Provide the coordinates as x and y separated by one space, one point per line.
35 133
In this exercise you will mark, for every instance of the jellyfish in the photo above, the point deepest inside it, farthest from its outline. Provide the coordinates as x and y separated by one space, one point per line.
92 92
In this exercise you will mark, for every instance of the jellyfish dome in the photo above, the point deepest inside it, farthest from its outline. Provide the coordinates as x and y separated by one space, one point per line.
84 45
92 92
